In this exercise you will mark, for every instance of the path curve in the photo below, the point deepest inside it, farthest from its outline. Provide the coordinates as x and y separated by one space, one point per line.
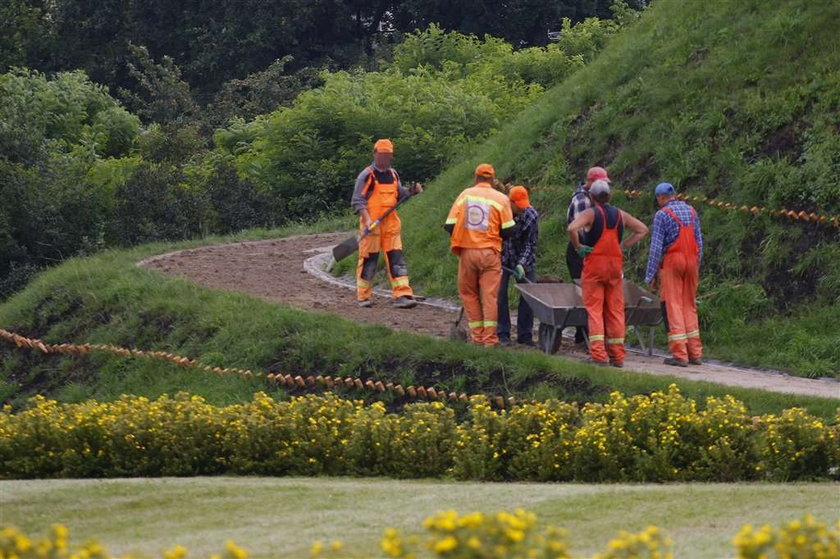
293 271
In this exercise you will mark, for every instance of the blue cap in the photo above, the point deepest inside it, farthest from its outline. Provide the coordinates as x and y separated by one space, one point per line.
664 188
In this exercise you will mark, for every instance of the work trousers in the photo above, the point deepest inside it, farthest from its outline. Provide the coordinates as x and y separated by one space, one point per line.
525 315
604 301
575 264
678 279
387 240
479 276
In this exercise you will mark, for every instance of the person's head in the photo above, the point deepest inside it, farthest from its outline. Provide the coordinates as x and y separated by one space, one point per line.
600 191
664 193
595 174
485 173
519 199
383 153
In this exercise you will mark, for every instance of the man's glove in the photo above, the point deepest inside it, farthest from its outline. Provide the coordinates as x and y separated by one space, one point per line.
519 272
584 250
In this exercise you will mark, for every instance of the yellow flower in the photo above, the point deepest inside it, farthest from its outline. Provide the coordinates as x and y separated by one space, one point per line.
446 544
235 552
177 552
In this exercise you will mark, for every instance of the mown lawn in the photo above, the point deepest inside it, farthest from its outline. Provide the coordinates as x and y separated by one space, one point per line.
274 517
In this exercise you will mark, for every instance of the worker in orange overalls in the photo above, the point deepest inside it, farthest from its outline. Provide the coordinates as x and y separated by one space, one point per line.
378 189
478 221
676 249
603 271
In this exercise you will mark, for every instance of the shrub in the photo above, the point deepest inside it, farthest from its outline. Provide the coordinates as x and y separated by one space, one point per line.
661 437
502 535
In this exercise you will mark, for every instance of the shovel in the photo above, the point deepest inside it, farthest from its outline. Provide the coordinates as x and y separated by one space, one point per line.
351 245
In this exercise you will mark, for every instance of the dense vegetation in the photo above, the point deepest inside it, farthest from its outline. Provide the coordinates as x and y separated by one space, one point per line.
726 99
228 40
78 172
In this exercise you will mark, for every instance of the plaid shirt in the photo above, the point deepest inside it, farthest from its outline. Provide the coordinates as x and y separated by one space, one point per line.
521 246
666 231
580 202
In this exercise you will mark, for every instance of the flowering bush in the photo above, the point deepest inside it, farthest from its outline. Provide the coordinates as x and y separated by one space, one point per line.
482 536
660 437
804 538
14 544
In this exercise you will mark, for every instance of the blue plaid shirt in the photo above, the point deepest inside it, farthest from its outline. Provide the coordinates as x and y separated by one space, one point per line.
666 231
580 202
521 246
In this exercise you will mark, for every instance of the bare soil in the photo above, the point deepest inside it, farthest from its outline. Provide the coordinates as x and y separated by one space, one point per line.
290 271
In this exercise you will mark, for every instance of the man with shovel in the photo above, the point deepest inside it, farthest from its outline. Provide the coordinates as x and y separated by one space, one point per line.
378 190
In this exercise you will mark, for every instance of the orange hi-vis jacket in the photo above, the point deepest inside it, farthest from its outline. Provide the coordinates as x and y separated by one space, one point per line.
478 216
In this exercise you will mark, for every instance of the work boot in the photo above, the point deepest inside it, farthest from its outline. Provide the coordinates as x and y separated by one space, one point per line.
590 361
404 303
505 342
675 362
619 364
695 361
528 343
366 303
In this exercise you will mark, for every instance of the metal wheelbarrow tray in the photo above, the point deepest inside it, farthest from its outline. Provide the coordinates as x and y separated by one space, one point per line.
560 305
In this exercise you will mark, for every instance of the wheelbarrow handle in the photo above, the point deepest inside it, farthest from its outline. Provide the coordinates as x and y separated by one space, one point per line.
513 273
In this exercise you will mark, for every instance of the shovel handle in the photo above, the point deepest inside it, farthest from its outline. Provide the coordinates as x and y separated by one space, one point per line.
374 224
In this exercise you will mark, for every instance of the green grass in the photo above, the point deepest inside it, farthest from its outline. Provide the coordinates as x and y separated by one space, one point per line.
282 517
107 299
730 99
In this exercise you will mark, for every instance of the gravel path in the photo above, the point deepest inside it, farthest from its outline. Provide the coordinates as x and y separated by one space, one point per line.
292 271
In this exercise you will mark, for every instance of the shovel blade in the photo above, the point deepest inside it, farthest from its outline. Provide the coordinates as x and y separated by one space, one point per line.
345 248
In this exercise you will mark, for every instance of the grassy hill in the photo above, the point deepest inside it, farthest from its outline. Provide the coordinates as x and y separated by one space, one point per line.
107 299
738 100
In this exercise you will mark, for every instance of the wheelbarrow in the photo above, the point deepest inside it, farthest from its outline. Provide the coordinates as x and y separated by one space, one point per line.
556 306
560 305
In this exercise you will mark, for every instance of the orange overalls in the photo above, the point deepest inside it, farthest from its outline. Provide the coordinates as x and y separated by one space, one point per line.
385 237
478 216
602 281
678 281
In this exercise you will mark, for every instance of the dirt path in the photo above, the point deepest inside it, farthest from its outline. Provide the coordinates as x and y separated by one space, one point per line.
291 271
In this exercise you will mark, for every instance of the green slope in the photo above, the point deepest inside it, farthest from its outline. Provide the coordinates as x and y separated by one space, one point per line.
738 100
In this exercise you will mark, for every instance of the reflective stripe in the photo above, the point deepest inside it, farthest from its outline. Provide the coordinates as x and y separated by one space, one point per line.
490 323
399 282
596 338
480 200
693 334
675 337
451 221
615 340
508 224
476 324
362 283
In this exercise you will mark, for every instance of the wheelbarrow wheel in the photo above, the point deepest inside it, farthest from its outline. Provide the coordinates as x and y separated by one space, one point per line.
550 338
